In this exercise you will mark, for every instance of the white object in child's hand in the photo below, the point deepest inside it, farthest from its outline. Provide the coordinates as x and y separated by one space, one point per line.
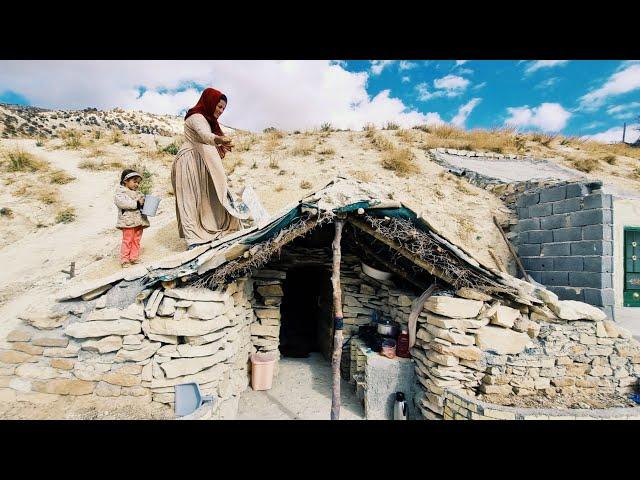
150 207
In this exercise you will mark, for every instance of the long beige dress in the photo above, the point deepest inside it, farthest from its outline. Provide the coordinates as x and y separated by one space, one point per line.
204 207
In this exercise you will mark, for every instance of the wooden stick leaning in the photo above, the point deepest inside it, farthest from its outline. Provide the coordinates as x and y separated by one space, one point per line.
513 252
338 322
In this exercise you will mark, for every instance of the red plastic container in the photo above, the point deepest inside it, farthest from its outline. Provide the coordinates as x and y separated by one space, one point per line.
402 348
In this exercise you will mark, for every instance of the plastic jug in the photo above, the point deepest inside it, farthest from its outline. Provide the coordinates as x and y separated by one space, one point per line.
400 407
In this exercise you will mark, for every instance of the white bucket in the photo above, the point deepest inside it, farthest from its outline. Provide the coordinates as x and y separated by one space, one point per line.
150 205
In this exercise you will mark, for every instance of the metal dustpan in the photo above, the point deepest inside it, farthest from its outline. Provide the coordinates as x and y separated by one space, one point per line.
189 398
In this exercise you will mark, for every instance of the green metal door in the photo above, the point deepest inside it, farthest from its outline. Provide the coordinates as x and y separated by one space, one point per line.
632 267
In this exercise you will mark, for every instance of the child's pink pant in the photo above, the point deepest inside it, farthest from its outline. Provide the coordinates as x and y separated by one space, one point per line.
130 248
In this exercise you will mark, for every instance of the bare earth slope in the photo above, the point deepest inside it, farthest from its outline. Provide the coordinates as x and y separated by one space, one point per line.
93 147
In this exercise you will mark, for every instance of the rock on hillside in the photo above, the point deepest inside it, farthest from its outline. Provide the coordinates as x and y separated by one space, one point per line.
17 121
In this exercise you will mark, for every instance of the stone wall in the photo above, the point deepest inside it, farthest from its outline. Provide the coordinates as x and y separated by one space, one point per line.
361 296
479 345
564 237
458 406
265 329
168 336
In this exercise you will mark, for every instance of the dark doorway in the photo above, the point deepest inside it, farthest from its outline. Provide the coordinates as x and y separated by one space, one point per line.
306 312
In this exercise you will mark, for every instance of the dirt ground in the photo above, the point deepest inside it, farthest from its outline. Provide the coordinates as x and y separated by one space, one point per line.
86 408
301 391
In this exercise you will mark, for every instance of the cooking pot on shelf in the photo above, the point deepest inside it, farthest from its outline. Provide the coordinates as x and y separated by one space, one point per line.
388 329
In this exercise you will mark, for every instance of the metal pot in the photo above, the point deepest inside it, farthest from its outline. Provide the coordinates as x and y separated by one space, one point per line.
388 329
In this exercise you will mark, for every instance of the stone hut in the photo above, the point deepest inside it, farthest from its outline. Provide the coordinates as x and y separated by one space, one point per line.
197 317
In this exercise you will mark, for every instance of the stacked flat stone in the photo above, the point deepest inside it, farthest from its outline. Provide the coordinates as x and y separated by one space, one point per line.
361 296
265 331
445 353
181 335
483 346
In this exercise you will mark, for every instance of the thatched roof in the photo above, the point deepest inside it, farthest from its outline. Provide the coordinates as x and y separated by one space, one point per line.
367 207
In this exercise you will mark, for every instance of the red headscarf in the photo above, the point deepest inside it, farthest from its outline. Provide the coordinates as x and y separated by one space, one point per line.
206 106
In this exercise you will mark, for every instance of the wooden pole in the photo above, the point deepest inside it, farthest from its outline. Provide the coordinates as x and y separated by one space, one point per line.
338 322
513 252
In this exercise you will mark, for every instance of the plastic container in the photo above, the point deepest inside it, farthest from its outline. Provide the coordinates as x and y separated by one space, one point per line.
262 366
150 207
402 349
388 348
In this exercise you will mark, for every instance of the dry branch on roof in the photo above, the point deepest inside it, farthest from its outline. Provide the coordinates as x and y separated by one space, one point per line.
424 248
262 252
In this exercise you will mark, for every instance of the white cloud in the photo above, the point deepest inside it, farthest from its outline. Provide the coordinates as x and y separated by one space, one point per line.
406 79
377 66
615 135
449 85
538 64
407 65
464 112
548 83
623 81
550 117
453 84
480 85
593 125
284 94
623 112
464 71
424 94
461 62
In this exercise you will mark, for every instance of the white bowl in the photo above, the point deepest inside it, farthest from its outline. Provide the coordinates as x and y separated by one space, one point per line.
373 273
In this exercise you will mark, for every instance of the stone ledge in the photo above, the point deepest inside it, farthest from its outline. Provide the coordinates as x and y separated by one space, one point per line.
491 410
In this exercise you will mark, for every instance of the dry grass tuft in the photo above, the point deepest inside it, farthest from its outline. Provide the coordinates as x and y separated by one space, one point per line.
48 195
407 135
71 139
382 143
61 177
401 161
326 151
101 165
235 162
272 144
22 161
391 126
610 159
305 185
279 188
302 148
116 136
587 165
361 175
273 162
66 215
6 212
542 138
244 143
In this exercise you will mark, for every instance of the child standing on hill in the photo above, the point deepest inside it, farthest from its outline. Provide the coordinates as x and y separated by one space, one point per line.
130 219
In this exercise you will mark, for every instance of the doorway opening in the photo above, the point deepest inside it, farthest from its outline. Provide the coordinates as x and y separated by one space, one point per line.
306 312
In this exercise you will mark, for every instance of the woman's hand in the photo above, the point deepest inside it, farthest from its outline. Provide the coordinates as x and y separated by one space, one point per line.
224 141
141 201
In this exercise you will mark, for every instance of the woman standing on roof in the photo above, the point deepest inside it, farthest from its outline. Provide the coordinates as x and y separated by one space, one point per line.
204 206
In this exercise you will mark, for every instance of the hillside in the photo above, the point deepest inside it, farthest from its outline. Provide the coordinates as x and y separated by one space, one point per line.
59 170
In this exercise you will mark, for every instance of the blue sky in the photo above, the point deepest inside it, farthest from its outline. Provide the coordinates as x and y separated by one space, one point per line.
579 97
501 85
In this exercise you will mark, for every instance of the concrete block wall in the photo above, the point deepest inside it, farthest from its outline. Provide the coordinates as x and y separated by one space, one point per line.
564 237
